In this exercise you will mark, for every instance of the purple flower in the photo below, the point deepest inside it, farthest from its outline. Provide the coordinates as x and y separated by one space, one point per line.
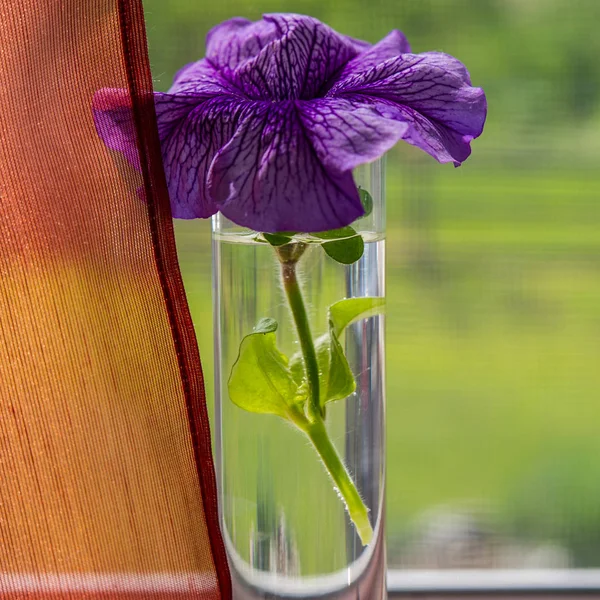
268 127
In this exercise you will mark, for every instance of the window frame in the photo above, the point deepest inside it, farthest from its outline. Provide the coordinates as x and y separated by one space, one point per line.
499 583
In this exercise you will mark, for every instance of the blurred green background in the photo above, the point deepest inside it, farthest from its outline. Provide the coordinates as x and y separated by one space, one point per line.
493 280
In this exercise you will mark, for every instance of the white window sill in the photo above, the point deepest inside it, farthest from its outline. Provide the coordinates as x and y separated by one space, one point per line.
484 581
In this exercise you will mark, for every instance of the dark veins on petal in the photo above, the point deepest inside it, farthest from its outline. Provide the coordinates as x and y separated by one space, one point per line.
391 46
231 43
432 93
348 131
296 65
202 80
269 126
189 144
270 178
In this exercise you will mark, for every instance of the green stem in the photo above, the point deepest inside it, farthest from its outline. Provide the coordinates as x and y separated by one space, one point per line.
357 510
315 429
289 256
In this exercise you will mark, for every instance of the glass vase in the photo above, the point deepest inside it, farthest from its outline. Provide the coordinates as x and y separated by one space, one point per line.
302 513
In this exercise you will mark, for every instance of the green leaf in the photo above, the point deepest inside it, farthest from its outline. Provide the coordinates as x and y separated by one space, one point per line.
335 377
277 239
367 202
346 251
297 366
340 382
336 380
346 246
266 325
260 380
336 234
345 312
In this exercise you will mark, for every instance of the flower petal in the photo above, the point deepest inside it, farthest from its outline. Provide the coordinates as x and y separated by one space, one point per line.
347 132
432 93
189 143
234 41
358 44
441 142
191 132
171 109
113 118
297 65
391 46
269 177
201 79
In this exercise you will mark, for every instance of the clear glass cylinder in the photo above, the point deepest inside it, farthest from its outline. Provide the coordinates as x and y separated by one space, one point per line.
286 527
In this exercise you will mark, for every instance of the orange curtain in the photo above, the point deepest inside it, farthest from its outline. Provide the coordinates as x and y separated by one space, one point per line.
107 487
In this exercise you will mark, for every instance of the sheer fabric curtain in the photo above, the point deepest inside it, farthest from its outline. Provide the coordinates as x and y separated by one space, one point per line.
107 486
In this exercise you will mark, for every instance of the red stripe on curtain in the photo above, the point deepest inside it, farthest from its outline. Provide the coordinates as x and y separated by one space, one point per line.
135 45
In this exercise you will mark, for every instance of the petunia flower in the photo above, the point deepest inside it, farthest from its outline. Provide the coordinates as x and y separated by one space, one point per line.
268 127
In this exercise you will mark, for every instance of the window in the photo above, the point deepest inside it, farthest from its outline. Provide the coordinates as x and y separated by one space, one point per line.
493 330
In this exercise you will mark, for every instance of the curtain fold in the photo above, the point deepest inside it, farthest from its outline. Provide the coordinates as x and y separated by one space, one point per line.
107 486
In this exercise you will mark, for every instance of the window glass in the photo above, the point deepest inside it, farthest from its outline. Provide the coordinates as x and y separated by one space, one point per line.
493 281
